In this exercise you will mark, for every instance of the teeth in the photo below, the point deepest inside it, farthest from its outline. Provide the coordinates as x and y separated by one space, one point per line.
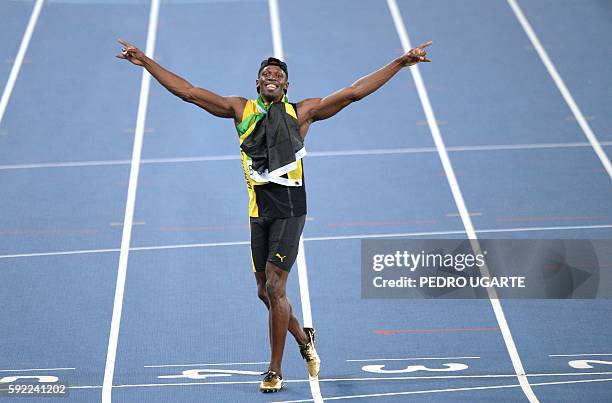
271 86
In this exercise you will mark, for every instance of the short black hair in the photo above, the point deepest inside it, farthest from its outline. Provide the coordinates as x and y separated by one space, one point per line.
272 61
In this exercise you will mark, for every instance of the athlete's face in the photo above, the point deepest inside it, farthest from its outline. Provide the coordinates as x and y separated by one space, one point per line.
272 83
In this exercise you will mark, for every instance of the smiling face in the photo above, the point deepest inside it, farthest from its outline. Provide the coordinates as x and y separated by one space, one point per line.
272 83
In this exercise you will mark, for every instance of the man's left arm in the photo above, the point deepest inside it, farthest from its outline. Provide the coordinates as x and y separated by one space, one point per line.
313 109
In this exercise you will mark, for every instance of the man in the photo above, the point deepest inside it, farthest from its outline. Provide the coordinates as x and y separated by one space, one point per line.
271 132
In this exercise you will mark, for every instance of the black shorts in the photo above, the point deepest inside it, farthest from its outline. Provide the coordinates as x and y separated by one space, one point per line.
275 240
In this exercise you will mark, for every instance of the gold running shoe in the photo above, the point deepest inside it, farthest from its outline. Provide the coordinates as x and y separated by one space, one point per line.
272 382
309 353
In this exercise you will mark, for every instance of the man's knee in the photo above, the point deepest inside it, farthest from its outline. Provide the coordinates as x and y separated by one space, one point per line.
274 290
276 279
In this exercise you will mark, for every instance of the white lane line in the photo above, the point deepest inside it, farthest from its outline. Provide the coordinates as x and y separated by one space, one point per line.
413 359
23 48
277 39
567 96
275 25
64 164
336 153
402 378
69 252
310 239
206 365
315 389
196 245
304 290
420 392
530 229
389 378
387 235
37 369
190 159
577 355
524 146
459 201
109 369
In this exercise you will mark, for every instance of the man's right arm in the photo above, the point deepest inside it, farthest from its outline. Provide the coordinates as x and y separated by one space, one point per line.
224 107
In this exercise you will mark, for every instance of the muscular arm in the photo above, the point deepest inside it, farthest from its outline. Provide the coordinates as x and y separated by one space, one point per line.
224 107
313 109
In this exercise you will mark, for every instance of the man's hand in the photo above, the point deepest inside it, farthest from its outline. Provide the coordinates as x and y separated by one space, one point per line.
416 55
131 53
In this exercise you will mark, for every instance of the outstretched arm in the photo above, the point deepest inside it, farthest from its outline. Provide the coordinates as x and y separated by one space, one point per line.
224 107
313 109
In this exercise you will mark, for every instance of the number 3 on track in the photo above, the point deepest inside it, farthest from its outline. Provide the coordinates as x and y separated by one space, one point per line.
379 369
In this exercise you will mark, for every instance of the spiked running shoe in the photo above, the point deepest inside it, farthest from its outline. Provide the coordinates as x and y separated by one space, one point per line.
272 382
309 353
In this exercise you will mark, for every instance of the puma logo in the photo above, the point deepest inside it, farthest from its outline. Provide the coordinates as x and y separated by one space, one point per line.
282 258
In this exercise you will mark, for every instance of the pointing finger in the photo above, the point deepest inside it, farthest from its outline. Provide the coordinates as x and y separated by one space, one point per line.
124 42
424 45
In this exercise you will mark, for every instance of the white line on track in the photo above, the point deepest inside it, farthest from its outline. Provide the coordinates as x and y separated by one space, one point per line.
36 369
567 96
277 39
23 48
201 245
331 380
152 385
531 229
334 153
275 25
577 355
402 378
206 365
64 164
310 239
414 358
387 235
420 392
109 369
69 252
459 201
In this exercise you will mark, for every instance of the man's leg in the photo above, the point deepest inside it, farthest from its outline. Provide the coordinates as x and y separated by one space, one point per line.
294 325
276 284
283 236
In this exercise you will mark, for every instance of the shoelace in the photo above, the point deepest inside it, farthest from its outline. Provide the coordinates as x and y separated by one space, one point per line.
269 375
